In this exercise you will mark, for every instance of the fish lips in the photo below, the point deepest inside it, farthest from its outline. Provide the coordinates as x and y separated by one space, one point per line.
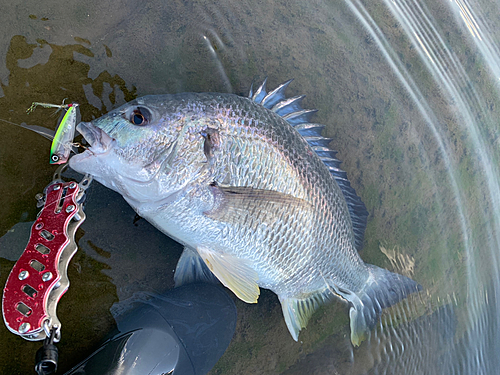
99 140
100 146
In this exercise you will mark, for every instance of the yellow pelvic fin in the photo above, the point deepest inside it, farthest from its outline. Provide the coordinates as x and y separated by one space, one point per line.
236 274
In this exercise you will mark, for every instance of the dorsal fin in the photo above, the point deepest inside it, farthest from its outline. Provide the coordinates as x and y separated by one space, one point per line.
290 109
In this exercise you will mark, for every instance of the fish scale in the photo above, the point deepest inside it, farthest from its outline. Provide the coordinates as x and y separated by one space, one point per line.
295 181
252 190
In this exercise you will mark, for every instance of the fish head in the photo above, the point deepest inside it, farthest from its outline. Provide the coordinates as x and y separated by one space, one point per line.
146 150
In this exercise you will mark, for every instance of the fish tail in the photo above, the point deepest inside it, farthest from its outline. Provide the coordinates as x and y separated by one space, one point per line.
383 289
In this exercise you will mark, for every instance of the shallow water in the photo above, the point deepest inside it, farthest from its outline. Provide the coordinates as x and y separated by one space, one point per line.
409 92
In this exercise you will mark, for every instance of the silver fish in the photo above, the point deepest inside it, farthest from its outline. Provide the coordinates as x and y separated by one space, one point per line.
252 190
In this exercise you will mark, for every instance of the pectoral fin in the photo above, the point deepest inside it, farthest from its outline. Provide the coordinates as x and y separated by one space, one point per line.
233 205
236 274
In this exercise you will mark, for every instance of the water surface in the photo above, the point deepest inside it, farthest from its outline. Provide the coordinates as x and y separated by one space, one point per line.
409 92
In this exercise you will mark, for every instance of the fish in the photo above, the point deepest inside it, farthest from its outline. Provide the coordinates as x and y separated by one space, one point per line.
253 191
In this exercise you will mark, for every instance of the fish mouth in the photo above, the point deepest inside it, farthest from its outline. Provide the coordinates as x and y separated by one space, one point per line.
100 152
100 142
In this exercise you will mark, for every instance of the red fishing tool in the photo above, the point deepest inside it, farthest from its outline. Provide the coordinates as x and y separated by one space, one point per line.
40 276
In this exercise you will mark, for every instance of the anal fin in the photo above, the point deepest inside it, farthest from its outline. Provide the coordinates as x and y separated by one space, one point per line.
298 311
235 273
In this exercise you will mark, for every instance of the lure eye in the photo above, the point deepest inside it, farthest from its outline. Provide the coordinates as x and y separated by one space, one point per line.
55 158
140 116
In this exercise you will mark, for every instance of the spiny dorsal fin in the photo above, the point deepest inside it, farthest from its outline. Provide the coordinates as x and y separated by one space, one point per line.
290 109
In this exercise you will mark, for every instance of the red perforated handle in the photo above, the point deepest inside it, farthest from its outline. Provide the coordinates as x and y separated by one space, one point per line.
37 273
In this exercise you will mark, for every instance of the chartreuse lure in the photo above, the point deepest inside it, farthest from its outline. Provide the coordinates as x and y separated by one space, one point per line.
62 143
63 139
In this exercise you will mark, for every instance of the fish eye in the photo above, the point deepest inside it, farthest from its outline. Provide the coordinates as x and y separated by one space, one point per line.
140 116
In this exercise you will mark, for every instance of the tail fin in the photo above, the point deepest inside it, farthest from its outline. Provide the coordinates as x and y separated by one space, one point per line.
383 289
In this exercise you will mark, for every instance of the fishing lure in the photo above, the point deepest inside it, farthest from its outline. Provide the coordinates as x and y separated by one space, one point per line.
62 144
63 139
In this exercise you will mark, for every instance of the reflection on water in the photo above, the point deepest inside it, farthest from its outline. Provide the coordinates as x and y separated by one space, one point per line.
408 90
405 349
